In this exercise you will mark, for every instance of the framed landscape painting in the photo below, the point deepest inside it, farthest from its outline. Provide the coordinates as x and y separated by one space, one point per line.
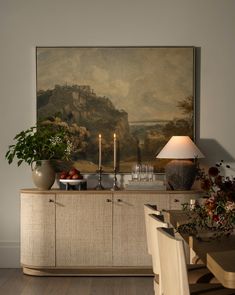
142 94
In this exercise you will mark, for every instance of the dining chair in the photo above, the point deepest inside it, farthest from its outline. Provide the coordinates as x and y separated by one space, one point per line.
196 273
155 221
149 209
173 268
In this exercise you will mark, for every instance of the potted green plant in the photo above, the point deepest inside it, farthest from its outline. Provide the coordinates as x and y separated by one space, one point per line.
37 146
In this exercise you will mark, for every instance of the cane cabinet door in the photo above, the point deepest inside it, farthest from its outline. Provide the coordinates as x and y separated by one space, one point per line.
38 230
84 229
129 233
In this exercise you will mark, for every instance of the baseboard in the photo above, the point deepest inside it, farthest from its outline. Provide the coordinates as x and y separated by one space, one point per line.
9 254
89 271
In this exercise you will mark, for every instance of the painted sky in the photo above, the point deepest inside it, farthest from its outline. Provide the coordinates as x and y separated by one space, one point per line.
145 82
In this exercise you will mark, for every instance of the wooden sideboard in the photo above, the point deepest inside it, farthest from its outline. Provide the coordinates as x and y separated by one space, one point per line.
89 232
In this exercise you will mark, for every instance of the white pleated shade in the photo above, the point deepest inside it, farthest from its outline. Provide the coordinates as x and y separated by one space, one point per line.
180 147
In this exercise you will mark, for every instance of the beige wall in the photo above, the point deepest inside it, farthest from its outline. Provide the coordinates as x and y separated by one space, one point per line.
24 24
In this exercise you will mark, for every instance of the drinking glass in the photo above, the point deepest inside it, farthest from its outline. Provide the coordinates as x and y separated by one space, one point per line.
135 172
150 173
144 172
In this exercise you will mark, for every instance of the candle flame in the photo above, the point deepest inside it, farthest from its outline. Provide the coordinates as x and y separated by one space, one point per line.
99 135
114 135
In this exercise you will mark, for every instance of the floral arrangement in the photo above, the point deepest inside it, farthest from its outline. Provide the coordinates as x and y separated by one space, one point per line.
41 142
216 213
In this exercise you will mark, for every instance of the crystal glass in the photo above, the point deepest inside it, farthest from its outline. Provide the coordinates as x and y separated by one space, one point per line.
144 172
135 173
150 173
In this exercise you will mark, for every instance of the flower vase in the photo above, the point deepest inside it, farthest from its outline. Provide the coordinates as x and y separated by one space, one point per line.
43 175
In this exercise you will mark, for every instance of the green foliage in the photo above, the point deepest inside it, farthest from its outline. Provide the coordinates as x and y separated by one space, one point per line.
42 142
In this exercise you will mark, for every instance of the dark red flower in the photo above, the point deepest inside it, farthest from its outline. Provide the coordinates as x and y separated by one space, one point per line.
228 185
215 218
206 184
231 196
219 180
213 171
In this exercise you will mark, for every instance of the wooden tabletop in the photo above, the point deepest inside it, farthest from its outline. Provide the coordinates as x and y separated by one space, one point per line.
222 265
217 245
217 254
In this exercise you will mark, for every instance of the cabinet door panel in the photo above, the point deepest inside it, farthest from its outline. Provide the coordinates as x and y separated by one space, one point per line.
129 233
38 229
83 230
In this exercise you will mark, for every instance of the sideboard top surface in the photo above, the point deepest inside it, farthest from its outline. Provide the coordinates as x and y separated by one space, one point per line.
122 192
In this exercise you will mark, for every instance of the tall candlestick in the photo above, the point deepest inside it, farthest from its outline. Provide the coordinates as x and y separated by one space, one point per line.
114 150
99 151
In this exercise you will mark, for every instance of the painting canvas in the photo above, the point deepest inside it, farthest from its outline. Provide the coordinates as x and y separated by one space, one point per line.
143 94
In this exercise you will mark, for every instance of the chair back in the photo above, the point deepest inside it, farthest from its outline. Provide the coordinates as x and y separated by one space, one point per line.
149 209
174 279
155 221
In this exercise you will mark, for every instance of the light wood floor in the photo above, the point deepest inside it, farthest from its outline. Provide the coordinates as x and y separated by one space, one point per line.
13 282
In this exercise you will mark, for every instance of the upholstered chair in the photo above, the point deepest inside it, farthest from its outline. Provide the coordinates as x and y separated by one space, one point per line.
173 268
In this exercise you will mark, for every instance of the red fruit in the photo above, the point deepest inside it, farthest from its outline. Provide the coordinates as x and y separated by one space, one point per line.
75 176
69 177
73 171
63 175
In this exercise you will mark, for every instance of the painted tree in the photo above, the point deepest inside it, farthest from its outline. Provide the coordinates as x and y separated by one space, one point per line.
181 126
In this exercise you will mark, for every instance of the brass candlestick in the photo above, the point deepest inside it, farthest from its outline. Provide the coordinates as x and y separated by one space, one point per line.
115 186
99 186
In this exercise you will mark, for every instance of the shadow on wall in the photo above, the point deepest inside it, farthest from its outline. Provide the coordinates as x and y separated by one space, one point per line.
214 152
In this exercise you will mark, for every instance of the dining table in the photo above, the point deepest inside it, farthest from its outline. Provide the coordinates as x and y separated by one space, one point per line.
217 254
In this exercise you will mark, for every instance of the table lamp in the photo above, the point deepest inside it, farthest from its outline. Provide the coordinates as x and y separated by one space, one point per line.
181 170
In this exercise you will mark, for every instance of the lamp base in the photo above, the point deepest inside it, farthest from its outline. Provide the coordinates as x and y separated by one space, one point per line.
180 174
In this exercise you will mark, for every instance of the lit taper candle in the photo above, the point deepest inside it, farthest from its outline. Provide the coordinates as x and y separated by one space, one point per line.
114 150
100 139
